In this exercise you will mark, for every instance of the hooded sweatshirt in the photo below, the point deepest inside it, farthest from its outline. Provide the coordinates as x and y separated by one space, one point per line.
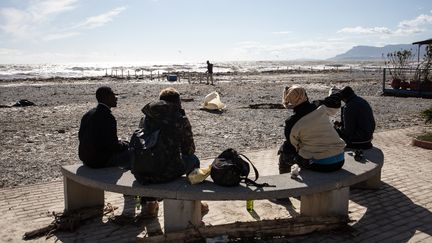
175 134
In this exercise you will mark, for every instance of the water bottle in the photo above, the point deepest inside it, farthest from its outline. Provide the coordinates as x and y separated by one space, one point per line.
250 206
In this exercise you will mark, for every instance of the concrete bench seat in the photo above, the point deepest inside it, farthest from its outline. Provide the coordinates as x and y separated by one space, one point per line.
321 194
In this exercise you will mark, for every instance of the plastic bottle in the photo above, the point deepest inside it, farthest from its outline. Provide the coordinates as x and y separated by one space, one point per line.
250 205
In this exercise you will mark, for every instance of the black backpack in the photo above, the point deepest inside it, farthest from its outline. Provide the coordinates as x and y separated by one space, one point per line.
144 146
229 169
153 162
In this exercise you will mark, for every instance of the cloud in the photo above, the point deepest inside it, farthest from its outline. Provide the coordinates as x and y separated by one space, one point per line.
281 32
16 22
404 28
7 51
363 30
100 20
37 22
29 22
418 21
288 51
57 36
41 10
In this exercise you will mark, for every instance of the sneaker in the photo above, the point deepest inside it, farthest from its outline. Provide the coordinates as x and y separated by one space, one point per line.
204 209
150 209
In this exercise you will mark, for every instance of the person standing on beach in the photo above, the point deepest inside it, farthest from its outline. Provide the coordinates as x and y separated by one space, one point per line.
99 145
311 141
357 120
209 72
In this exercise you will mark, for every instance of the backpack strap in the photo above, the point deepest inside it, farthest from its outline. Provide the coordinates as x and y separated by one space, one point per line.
253 166
250 182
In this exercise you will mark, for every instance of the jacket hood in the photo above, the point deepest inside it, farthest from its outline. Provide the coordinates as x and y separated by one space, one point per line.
162 110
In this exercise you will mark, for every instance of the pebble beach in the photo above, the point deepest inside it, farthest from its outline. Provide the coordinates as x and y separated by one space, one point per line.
37 140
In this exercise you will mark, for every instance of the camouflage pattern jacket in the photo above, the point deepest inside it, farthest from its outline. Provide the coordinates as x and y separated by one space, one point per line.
176 135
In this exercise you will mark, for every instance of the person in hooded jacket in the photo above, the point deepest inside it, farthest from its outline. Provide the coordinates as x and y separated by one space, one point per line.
167 115
311 141
176 135
357 120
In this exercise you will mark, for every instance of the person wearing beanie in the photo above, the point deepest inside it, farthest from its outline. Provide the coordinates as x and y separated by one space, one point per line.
311 141
357 120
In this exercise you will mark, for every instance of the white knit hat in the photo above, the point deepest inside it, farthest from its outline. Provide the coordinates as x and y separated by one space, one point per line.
294 96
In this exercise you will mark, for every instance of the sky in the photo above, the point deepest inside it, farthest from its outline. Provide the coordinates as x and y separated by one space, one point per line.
170 31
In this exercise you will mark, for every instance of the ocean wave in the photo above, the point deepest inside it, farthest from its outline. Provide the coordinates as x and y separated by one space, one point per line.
17 71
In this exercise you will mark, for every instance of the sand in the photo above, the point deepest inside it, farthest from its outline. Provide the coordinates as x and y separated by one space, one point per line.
37 140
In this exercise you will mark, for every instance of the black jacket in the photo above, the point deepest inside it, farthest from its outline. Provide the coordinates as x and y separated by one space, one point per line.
98 137
358 122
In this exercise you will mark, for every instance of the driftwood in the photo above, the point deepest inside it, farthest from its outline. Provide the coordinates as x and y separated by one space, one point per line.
187 99
263 229
267 106
70 221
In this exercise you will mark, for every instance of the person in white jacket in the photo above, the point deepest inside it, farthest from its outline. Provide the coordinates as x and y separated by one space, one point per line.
311 141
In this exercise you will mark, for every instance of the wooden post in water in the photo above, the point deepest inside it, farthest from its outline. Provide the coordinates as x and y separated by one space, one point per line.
106 72
122 72
116 73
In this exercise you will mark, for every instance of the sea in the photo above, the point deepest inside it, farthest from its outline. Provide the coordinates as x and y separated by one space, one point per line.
82 70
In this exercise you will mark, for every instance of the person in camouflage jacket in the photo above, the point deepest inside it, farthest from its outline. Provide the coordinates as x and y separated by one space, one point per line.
177 141
176 136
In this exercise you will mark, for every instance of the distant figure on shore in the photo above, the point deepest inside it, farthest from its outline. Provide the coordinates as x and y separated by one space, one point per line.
99 145
209 73
311 141
357 120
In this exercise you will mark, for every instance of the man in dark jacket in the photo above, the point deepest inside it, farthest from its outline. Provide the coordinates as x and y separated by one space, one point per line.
357 121
209 73
98 142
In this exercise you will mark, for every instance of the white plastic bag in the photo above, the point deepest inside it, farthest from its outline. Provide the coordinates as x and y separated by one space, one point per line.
212 102
198 175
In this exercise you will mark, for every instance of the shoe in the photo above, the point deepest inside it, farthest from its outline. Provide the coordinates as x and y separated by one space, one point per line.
204 209
150 209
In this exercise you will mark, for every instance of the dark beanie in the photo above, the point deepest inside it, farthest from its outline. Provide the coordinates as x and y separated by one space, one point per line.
346 92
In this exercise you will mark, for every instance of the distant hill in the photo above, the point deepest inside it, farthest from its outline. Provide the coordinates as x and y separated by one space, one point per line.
373 52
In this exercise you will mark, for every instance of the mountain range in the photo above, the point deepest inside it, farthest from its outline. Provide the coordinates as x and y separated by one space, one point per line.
373 52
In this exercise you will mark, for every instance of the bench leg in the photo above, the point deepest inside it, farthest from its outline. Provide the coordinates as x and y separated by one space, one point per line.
78 196
330 203
178 214
372 183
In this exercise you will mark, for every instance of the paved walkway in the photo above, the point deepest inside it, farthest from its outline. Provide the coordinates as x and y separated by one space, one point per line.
399 212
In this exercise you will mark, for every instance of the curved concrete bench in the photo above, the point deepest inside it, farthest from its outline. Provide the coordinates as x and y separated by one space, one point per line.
322 194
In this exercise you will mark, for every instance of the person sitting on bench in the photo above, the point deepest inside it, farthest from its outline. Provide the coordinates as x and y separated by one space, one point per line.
99 145
357 121
311 141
